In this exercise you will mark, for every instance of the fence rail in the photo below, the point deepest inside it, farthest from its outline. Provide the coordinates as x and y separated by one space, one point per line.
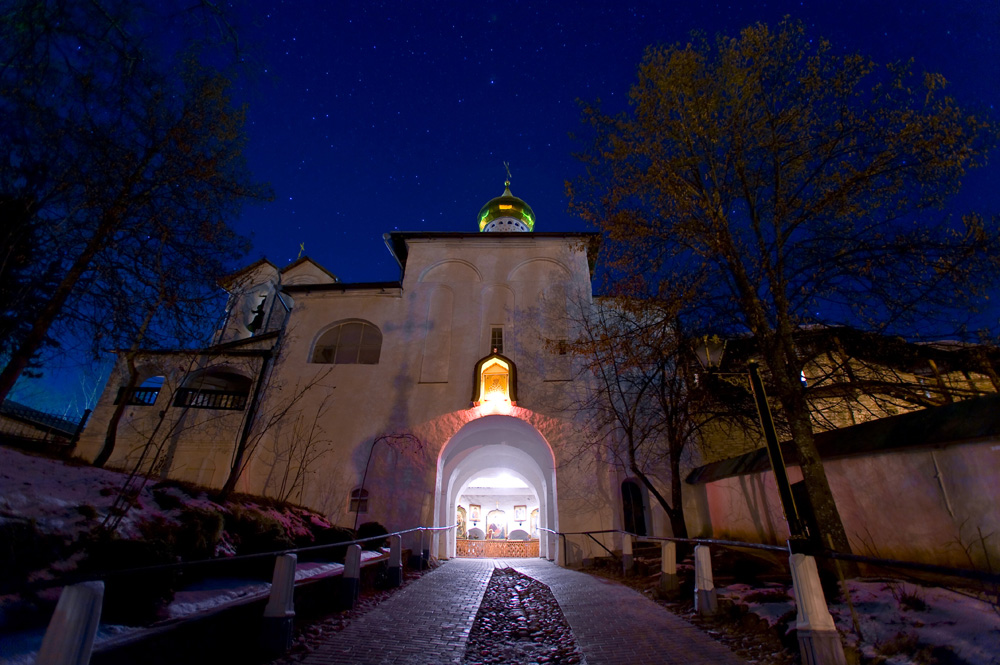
68 580
138 396
211 399
963 573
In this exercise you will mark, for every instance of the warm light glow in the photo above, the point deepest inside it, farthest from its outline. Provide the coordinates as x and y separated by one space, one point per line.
497 407
502 479
495 387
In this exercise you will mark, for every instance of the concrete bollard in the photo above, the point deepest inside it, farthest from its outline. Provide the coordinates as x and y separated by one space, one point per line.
395 570
819 641
706 600
628 563
350 582
424 552
69 639
279 614
668 569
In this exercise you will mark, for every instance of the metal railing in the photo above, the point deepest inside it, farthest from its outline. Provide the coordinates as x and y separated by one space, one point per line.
71 579
211 399
963 573
138 396
70 636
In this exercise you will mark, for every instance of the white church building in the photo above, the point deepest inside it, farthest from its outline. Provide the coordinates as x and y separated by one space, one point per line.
447 396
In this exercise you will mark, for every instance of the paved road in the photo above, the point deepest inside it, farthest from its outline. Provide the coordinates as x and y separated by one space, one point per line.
428 622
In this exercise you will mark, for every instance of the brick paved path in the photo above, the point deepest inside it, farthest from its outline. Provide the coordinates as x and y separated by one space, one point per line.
428 622
425 623
614 624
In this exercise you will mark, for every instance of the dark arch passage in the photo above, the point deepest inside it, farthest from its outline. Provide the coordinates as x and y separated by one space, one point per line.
634 514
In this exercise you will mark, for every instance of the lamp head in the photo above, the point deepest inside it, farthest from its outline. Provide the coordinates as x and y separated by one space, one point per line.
709 351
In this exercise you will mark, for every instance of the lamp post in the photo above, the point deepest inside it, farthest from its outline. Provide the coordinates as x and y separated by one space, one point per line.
819 641
709 354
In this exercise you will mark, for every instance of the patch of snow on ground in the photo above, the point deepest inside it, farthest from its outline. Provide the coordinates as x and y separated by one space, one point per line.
52 492
968 626
214 594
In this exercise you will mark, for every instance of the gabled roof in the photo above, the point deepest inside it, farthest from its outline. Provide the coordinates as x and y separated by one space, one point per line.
228 280
302 260
937 427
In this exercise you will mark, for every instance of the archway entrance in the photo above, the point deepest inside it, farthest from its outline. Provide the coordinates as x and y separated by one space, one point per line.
498 474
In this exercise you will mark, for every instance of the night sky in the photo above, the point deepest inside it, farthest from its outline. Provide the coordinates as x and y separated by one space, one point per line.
372 117
375 117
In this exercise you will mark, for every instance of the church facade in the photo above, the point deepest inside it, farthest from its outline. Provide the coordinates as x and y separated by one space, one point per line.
447 396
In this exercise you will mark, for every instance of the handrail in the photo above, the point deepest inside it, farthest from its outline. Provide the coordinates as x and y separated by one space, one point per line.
179 565
978 575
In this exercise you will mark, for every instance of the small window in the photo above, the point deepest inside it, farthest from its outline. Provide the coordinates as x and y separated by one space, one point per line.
563 346
350 343
359 501
496 339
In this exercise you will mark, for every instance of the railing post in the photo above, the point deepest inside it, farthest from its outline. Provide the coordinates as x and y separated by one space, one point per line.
819 641
69 639
628 563
425 552
668 569
395 571
350 581
279 614
705 598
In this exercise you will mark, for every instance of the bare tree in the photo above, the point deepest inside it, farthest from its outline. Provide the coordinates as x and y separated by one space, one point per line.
296 449
795 186
120 149
644 409
264 416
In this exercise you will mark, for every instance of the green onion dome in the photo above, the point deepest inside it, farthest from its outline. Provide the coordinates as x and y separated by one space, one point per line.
506 214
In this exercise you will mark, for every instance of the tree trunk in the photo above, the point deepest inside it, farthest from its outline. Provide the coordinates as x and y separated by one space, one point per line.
23 354
111 435
677 523
813 474
241 445
675 513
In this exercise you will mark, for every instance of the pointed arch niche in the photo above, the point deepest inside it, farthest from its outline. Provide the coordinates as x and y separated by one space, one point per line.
495 384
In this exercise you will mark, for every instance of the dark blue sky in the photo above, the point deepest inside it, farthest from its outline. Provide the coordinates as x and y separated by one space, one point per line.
372 117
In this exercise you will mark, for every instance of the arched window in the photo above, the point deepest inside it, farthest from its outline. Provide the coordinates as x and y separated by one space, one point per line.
359 501
214 389
145 394
349 343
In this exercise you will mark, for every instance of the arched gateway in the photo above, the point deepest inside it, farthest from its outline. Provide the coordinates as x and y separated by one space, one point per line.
497 446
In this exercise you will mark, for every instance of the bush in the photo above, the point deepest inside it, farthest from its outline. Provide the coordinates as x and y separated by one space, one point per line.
132 599
253 532
23 549
330 536
199 533
370 530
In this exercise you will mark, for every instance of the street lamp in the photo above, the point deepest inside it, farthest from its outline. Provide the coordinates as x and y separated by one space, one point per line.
709 353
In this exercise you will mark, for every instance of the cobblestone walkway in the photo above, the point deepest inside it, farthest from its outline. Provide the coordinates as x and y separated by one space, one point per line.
428 622
425 623
614 624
